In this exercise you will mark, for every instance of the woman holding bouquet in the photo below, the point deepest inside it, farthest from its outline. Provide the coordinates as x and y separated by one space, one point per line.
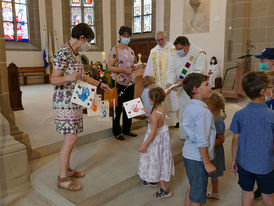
125 80
67 69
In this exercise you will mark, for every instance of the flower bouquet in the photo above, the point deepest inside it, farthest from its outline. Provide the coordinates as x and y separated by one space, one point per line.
99 71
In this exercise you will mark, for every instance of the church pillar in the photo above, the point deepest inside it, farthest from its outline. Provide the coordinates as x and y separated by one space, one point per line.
13 154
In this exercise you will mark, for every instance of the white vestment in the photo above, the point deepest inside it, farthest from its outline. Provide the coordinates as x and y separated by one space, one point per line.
215 72
157 66
193 61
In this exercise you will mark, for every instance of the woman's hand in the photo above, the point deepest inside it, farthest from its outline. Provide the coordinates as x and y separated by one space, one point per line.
74 76
127 71
139 66
105 87
143 148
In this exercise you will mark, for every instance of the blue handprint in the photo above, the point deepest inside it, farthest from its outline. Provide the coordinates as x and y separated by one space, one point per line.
85 94
104 111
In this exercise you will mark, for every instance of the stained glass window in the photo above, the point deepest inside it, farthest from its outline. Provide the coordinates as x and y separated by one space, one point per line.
15 12
82 11
142 15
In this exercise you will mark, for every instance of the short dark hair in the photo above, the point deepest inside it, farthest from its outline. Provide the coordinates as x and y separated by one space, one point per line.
125 29
193 80
254 82
82 29
181 40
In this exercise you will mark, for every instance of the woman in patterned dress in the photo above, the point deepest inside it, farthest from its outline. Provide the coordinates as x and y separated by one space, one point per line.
67 69
125 80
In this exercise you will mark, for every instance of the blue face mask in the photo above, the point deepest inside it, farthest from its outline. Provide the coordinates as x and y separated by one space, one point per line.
263 66
125 40
181 52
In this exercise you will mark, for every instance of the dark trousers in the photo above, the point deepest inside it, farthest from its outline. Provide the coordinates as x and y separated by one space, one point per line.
128 94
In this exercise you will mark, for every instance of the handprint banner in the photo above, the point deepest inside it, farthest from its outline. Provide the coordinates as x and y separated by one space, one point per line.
104 109
134 108
83 94
94 109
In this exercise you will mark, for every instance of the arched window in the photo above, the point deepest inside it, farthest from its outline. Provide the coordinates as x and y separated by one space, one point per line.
15 20
82 11
142 16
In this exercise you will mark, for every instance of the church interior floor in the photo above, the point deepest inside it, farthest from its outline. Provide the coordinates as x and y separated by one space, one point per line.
37 117
95 159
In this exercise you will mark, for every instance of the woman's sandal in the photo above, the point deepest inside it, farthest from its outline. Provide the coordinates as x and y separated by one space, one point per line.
162 194
70 187
74 173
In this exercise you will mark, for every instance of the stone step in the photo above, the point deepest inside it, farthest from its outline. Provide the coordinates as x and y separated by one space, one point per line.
110 166
55 147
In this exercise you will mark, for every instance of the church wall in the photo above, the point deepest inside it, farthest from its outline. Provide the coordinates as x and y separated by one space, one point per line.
211 42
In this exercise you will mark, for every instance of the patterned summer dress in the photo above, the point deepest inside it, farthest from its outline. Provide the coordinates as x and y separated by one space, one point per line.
68 116
157 163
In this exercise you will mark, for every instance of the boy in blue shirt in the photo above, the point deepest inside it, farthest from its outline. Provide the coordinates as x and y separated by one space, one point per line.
253 138
198 150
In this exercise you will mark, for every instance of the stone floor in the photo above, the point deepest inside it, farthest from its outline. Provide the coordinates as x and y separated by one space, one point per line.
37 100
37 117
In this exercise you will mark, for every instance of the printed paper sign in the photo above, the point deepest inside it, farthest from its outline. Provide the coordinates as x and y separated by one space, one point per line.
104 110
134 108
83 94
94 109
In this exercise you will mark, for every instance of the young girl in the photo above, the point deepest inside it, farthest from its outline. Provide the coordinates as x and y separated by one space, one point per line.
156 162
216 104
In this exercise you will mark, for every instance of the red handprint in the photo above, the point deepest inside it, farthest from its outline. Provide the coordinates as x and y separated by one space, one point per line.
135 108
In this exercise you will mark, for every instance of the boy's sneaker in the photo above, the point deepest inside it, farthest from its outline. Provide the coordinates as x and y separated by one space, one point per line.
149 184
212 195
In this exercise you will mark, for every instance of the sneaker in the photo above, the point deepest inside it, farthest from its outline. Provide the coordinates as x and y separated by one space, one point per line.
212 195
148 184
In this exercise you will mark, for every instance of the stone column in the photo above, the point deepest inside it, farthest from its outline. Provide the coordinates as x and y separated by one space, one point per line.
13 154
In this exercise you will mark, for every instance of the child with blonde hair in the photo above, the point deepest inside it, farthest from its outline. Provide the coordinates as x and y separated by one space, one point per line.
216 104
156 162
148 83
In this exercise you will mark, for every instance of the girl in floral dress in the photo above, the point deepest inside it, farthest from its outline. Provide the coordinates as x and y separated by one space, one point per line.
156 162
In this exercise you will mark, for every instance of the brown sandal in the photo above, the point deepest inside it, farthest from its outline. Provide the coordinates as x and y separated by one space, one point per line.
74 173
71 186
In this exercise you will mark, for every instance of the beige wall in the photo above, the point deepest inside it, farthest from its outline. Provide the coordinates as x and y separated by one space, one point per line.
212 42
207 41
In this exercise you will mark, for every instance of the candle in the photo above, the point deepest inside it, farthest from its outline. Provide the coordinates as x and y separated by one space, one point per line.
103 56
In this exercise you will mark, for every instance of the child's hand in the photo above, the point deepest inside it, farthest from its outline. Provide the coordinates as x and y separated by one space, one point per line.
143 148
210 168
234 167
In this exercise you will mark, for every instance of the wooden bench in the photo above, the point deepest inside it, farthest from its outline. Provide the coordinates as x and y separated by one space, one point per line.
26 72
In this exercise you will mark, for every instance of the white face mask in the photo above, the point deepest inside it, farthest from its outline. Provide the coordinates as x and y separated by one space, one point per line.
86 46
267 98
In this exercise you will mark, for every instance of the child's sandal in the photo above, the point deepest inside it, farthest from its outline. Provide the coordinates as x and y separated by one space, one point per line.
74 173
151 184
162 194
213 195
70 187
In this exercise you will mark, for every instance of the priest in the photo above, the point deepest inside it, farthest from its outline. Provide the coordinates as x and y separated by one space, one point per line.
187 59
157 65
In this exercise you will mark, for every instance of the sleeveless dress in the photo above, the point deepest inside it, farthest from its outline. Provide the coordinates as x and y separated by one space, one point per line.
156 163
219 153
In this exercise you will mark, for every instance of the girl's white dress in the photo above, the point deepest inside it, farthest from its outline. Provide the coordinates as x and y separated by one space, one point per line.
157 163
